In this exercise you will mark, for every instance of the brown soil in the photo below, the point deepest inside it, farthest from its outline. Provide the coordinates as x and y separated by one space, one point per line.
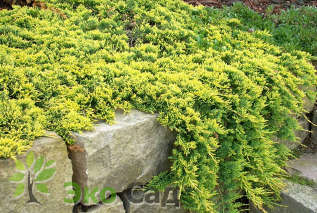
7 4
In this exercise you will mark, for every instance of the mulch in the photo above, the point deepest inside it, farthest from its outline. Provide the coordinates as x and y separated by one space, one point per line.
259 6
7 4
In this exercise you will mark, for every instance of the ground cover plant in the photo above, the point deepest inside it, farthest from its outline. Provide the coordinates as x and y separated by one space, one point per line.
225 90
260 6
292 29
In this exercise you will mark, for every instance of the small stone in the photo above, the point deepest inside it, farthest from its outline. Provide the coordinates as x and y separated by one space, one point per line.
251 30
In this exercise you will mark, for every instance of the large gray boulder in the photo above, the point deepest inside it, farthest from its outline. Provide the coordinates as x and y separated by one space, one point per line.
134 149
53 170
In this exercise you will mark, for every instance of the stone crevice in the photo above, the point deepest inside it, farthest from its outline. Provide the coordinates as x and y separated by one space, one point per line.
78 158
125 201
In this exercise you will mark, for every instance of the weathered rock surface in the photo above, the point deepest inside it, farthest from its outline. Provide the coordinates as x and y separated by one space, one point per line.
308 104
154 208
51 148
134 149
138 201
114 207
305 166
296 198
314 128
300 134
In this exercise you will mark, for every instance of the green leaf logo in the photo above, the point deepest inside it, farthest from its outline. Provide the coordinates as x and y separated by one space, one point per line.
17 177
42 188
19 190
49 163
19 165
29 159
46 174
38 164
35 171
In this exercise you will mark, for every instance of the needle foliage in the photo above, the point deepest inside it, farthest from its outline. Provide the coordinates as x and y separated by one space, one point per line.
225 91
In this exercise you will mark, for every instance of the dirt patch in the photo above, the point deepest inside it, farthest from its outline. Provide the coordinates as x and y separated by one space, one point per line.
7 4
